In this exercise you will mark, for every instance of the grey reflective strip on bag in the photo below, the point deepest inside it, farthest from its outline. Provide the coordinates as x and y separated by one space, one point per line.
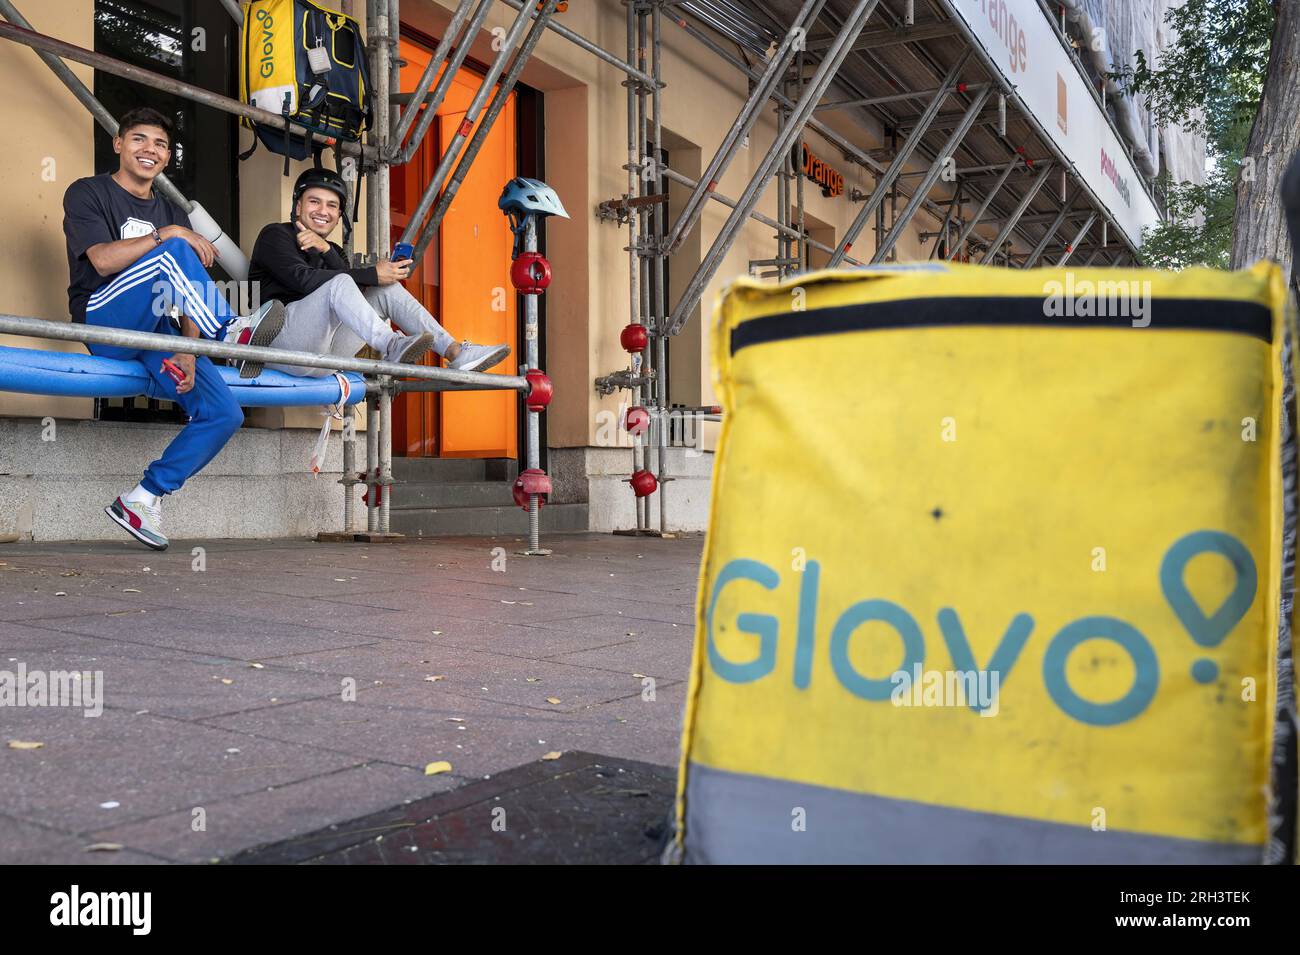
734 818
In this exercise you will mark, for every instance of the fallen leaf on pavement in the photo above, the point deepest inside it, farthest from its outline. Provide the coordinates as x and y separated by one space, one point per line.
434 679
552 699
553 754
24 744
433 769
130 590
257 666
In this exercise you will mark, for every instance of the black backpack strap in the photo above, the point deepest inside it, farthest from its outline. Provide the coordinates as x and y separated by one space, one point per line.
251 149
284 111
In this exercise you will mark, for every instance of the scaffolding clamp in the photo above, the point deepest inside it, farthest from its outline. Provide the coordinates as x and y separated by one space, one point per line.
608 384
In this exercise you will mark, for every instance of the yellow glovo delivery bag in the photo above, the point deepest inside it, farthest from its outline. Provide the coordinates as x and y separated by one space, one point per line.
999 569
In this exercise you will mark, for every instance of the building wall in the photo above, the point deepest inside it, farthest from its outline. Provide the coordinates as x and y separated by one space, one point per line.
49 145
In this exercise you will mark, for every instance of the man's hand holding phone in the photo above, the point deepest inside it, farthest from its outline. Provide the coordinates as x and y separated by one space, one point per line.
390 272
180 368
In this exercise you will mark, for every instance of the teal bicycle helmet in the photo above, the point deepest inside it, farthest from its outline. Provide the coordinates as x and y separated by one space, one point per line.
523 197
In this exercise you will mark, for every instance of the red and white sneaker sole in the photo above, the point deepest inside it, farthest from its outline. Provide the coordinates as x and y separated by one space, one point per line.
261 335
120 515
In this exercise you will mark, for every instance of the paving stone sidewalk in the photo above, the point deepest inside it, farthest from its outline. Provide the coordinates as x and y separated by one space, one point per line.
228 670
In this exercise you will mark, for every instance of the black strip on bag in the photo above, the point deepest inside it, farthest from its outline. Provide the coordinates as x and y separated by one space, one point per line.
1217 315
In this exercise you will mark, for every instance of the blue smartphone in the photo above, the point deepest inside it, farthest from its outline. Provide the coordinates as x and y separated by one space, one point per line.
403 250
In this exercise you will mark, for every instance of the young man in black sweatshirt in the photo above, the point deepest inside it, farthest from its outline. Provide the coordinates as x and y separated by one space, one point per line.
333 309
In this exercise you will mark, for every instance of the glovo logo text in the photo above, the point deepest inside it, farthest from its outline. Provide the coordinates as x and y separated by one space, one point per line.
266 66
1205 631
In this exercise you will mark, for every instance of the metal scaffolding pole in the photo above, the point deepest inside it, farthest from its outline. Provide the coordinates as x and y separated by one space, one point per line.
633 227
372 462
743 123
923 188
941 235
1012 219
886 182
499 99
68 51
964 172
395 114
850 151
677 177
801 244
453 379
813 92
377 26
661 291
1078 237
401 156
427 198
385 451
974 220
643 262
880 100
1047 236
431 71
593 49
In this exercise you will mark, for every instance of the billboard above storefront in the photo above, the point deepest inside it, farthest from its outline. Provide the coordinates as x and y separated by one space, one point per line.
1022 44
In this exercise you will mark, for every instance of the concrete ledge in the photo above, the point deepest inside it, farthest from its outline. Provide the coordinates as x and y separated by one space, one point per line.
258 486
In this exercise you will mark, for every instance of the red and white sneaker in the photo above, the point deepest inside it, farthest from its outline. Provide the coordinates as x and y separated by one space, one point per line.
259 329
142 521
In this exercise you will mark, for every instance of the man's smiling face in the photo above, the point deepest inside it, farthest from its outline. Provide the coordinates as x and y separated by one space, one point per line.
319 210
143 151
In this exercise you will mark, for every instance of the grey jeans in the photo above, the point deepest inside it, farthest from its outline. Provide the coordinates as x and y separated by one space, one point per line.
339 318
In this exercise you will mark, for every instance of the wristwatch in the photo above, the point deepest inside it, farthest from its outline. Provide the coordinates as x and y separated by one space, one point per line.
157 239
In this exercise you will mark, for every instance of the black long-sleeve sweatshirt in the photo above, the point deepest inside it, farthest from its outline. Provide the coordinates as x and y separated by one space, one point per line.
287 273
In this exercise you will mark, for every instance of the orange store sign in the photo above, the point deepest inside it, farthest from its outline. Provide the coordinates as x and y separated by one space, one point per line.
831 181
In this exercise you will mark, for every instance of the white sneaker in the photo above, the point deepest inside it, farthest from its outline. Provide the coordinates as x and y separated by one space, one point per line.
259 329
142 521
473 357
409 349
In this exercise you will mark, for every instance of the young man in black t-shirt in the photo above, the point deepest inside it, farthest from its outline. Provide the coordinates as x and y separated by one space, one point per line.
134 263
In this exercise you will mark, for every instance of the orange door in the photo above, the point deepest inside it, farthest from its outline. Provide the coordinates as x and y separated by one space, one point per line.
463 279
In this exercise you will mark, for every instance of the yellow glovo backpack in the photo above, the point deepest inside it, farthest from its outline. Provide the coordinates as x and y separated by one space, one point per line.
308 64
999 569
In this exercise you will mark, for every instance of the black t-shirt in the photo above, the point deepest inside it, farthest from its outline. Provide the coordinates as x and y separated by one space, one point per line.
97 209
286 273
